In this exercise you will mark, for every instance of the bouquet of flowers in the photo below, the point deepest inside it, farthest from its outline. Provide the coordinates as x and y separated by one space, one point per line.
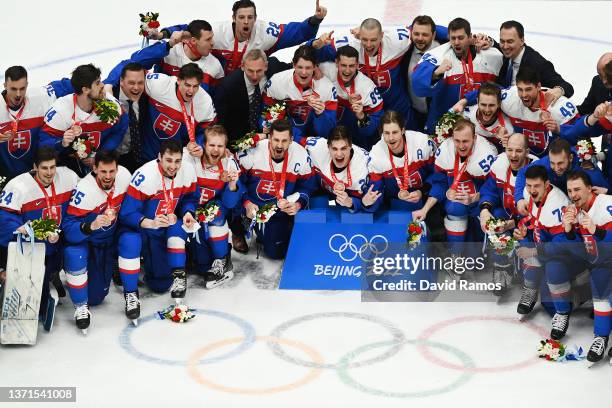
177 313
503 244
44 228
495 225
586 150
274 113
148 24
246 142
265 213
83 147
208 213
107 111
415 233
553 350
444 127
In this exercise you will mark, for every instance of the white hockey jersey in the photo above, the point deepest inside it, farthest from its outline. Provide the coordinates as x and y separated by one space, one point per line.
528 121
16 154
489 132
478 167
361 85
284 87
420 156
395 43
89 198
210 65
357 171
209 178
483 68
549 221
504 178
263 183
24 196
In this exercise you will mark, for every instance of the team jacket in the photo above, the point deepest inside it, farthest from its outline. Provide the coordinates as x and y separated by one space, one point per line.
262 182
478 167
323 168
498 190
87 202
22 200
420 166
284 87
367 134
211 186
146 198
461 78
16 155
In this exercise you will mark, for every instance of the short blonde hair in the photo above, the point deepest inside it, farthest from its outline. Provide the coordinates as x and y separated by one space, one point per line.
254 55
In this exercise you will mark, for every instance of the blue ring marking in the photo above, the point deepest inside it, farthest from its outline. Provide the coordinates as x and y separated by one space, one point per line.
123 47
248 330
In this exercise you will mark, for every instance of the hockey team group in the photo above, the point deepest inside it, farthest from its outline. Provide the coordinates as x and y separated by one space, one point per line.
144 171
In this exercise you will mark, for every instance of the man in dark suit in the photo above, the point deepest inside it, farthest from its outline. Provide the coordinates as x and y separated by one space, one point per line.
517 55
130 94
238 103
238 97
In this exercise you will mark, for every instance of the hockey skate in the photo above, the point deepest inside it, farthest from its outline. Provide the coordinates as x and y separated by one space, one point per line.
597 350
82 318
529 296
502 278
560 324
52 302
132 306
179 285
219 273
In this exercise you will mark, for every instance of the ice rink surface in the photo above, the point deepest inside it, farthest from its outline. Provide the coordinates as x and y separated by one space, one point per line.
254 346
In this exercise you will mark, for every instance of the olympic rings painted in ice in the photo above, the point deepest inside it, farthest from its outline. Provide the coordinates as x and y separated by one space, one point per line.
342 245
348 380
247 341
397 341
313 373
427 333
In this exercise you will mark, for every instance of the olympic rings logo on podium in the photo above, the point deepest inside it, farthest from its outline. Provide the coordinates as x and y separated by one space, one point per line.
316 363
358 246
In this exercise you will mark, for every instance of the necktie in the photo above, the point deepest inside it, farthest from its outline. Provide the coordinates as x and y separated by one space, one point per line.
135 140
254 107
509 73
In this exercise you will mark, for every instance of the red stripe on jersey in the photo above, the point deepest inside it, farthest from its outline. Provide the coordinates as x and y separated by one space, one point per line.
25 124
52 131
376 176
373 109
607 226
456 233
331 105
137 194
167 110
211 183
267 175
478 77
41 203
383 67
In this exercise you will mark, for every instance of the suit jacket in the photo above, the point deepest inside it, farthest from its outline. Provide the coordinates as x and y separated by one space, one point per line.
548 76
597 94
143 108
232 100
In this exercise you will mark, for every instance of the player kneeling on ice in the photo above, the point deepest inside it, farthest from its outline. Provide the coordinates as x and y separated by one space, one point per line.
158 191
587 222
279 180
90 230
221 190
341 170
40 196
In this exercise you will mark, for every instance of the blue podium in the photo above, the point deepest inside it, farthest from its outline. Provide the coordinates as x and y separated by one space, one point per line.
330 247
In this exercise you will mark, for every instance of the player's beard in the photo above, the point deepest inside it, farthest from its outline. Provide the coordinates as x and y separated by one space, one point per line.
107 184
212 158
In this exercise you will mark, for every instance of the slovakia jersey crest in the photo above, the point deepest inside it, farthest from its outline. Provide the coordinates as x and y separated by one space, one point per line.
165 127
19 145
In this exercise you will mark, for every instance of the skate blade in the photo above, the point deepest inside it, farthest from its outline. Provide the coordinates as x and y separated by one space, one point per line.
214 284
610 361
178 301
135 322
522 317
84 332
